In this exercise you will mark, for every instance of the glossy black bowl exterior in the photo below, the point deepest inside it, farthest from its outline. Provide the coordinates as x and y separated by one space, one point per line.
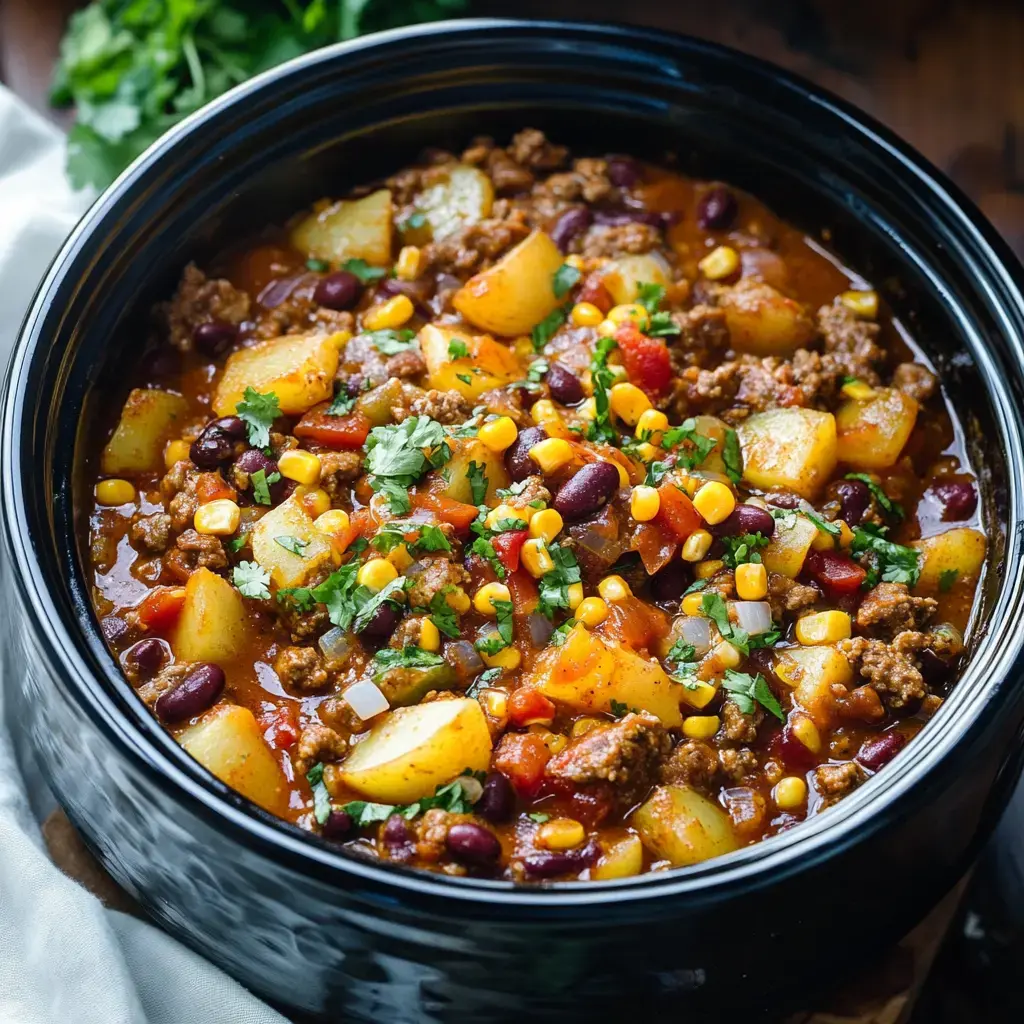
314 929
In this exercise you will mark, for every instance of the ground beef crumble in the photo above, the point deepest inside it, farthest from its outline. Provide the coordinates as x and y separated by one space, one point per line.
201 300
890 668
152 532
337 471
193 551
851 342
786 595
834 781
693 763
300 668
889 608
317 743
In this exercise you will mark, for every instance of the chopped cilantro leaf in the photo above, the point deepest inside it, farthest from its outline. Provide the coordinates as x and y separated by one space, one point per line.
681 651
656 473
406 657
321 796
539 817
560 633
318 266
662 325
732 456
239 542
443 615
449 797
388 593
536 370
390 342
832 529
457 349
565 279
337 593
554 584
695 586
698 447
886 503
477 482
485 549
261 486
946 580
746 690
893 562
258 411
343 404
743 549
251 580
618 708
396 458
296 545
299 597
547 328
364 271
714 607
600 427
428 537
465 378
512 490
650 296
493 644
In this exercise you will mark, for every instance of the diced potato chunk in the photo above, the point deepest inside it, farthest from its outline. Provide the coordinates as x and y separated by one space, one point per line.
789 545
791 448
624 275
462 196
350 229
679 825
713 427
229 742
456 471
514 295
871 433
761 320
414 750
960 550
298 368
286 568
213 625
148 420
812 671
487 364
590 674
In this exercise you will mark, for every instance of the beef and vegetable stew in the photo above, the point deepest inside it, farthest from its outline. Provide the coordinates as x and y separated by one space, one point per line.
535 517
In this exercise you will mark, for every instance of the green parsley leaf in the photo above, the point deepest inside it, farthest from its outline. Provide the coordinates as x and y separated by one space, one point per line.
512 490
485 549
485 678
407 657
390 342
237 543
695 586
443 615
251 580
429 537
560 633
662 326
387 594
554 584
746 690
893 562
318 266
886 503
656 472
698 447
258 411
832 529
321 796
337 593
650 296
451 797
565 279
743 549
477 482
465 378
342 405
715 608
457 349
396 459
619 708
600 427
548 328
732 456
681 651
299 597
261 485
364 271
491 644
785 517
293 544
539 817
946 580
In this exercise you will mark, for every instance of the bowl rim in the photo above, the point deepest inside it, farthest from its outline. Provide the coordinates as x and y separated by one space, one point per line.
862 813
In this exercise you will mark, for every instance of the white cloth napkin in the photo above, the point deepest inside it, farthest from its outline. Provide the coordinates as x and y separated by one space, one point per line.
63 956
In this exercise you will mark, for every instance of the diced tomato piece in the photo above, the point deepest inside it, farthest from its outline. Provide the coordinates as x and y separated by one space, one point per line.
523 590
281 727
677 511
457 513
522 757
507 547
348 431
212 487
646 359
635 623
594 292
160 608
527 706
656 544
836 572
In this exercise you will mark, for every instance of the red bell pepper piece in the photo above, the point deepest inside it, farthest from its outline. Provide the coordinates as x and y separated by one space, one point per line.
457 513
676 511
646 359
521 757
212 486
281 727
349 431
507 547
527 706
160 608
836 572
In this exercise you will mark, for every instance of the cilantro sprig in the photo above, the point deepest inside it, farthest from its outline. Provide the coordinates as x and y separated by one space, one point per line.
691 447
452 797
747 691
398 455
888 561
388 658
390 342
492 644
554 584
251 580
258 411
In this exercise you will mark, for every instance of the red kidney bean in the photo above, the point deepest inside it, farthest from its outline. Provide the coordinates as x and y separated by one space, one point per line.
340 290
147 655
383 622
854 500
418 291
472 844
198 691
398 838
570 225
337 826
877 752
669 583
783 499
252 460
549 863
498 800
564 385
587 490
745 519
959 499
214 338
617 218
787 747
935 670
717 209
589 854
623 171
517 457
113 628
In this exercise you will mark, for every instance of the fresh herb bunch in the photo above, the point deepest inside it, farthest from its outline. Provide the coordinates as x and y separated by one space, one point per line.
133 68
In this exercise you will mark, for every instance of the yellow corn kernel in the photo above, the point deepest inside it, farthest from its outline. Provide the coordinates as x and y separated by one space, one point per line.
498 434
720 263
176 451
219 518
586 314
560 834
399 557
523 348
302 467
806 732
495 704
645 450
536 558
823 628
697 545
845 534
698 693
484 598
617 370
458 600
315 502
376 574
552 453
651 425
607 329
575 596
389 315
822 541
863 304
623 475
714 501
614 588
430 636
857 390
790 793
621 859
588 410
493 517
644 503
628 402
114 492
543 411
751 581
583 725
546 524
628 313
592 611
409 264
507 658
554 741
693 604
788 670
690 485
701 727
725 656
704 570
332 522
339 339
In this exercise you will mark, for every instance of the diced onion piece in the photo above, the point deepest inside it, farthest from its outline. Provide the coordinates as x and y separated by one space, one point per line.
696 631
753 616
472 789
365 699
541 628
335 645
463 657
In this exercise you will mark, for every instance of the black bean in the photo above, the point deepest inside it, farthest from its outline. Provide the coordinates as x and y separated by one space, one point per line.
549 863
877 752
214 338
564 385
340 290
233 426
472 844
959 499
383 622
854 499
498 800
935 670
745 519
717 209
147 655
337 826
517 457
113 628
618 218
587 490
198 691
570 225
252 460
623 171
214 445
669 583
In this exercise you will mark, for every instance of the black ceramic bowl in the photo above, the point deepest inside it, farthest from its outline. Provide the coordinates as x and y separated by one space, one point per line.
293 918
